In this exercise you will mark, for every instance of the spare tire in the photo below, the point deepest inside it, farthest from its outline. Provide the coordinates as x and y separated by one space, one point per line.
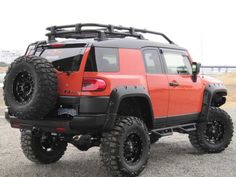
30 87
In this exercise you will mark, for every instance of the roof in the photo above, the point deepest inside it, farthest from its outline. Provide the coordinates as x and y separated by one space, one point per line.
123 43
134 44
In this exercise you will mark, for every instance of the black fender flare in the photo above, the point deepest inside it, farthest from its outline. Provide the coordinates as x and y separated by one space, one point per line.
120 93
210 91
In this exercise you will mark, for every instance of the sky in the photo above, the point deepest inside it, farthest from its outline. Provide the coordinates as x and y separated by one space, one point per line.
207 28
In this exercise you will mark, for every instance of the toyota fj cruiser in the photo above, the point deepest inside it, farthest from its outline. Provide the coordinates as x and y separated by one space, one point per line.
110 87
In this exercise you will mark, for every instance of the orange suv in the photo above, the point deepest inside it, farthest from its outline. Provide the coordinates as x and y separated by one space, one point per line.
110 87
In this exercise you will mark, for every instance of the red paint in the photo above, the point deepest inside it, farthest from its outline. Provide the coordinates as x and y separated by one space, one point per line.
71 84
159 93
166 100
185 98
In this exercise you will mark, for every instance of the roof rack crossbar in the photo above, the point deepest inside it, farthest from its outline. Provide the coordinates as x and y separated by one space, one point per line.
98 31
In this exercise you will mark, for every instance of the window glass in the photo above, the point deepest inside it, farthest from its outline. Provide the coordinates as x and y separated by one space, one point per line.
103 60
152 61
188 64
63 59
177 63
91 65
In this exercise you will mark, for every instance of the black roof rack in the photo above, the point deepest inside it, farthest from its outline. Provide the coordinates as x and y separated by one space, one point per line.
97 31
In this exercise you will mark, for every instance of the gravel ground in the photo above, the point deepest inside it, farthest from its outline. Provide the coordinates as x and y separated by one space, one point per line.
171 156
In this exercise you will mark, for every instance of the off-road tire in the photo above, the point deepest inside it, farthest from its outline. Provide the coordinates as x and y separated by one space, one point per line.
31 147
198 139
113 142
44 90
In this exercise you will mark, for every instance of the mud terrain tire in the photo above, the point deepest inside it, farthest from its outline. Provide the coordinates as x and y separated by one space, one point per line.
125 149
30 87
37 152
214 134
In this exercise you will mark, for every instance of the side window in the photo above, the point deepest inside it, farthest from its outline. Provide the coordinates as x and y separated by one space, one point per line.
152 61
102 60
177 63
91 65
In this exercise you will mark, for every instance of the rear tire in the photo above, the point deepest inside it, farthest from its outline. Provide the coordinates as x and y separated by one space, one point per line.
42 148
30 87
125 149
214 134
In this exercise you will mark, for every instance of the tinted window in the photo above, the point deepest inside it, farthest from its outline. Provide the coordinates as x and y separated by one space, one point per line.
103 60
177 63
64 59
91 65
152 61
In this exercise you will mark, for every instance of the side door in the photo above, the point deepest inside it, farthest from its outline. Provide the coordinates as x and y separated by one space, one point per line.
157 84
185 95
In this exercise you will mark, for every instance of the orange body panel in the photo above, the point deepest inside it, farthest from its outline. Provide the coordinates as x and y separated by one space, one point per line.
159 93
187 97
70 84
166 101
132 72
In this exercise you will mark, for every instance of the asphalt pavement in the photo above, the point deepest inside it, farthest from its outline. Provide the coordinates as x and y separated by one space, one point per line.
171 156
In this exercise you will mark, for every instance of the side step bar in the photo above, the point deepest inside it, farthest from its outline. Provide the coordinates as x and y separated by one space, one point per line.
185 128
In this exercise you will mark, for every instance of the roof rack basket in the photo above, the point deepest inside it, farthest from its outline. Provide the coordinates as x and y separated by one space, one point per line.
98 32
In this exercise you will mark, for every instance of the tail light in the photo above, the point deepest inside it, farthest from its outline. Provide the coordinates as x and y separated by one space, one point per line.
57 45
93 84
60 129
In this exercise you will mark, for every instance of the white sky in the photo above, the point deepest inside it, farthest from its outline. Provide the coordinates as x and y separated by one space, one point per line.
191 24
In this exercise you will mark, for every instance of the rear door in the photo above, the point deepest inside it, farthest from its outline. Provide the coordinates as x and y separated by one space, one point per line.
157 83
185 95
69 61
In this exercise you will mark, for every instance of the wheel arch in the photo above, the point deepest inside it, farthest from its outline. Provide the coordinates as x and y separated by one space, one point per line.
214 95
131 94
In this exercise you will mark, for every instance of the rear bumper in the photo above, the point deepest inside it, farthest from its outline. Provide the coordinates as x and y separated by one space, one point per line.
77 125
87 104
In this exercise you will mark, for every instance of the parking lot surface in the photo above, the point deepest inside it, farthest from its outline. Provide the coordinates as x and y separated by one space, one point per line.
171 156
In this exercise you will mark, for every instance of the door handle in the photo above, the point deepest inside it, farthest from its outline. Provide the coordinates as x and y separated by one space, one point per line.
174 84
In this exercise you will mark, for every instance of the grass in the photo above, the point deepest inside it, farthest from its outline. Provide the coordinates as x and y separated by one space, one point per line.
229 79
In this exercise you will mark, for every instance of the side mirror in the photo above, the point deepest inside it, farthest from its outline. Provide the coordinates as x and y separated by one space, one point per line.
196 68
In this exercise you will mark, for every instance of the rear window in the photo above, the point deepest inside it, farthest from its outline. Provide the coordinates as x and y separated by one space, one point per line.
63 59
102 60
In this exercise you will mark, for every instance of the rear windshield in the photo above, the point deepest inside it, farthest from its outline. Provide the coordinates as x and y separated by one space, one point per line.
102 60
63 59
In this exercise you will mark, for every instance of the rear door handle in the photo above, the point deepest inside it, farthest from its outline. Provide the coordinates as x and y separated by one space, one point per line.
174 84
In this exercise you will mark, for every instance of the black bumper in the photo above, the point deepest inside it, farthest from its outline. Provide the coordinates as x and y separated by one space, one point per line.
77 125
87 104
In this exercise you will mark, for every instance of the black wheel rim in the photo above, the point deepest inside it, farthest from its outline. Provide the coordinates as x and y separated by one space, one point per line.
133 148
23 87
214 132
49 143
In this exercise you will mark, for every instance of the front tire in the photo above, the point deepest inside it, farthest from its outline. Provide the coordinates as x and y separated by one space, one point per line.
214 134
125 149
42 148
